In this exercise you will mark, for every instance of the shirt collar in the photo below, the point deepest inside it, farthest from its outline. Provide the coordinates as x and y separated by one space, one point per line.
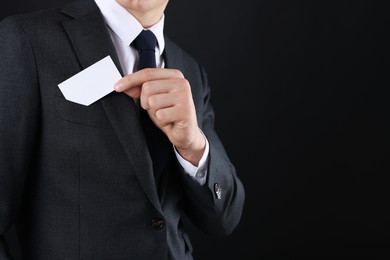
125 25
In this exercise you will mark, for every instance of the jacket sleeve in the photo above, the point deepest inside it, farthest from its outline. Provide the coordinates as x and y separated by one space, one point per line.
19 110
216 207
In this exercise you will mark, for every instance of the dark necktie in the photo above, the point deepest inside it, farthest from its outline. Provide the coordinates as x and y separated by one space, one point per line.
158 143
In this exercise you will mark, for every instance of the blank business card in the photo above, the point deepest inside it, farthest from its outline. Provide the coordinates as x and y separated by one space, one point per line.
92 83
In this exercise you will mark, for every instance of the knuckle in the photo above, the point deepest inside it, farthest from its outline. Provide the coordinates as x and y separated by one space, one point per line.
146 88
152 101
149 72
160 115
143 104
178 73
184 83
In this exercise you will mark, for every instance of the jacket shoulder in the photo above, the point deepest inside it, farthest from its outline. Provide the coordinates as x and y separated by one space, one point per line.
34 18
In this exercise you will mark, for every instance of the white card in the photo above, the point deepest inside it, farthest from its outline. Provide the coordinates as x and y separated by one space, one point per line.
92 83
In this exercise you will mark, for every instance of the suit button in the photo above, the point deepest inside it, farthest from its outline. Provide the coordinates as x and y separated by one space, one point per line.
158 223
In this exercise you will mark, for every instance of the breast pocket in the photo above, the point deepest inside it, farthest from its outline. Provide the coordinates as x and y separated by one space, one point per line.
92 115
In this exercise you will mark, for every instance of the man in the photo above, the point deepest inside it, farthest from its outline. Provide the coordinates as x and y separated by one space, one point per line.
81 182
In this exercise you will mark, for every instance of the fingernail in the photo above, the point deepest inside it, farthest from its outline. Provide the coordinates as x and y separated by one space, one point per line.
118 86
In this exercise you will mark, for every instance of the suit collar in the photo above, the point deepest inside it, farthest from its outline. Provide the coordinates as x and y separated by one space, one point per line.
91 41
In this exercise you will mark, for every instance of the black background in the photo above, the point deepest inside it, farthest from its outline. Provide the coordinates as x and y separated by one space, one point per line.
300 91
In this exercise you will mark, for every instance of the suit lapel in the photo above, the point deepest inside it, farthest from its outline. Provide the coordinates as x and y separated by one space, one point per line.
173 56
92 42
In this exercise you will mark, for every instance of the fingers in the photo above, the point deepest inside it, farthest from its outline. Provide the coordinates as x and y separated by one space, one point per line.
169 107
167 97
167 101
174 88
170 115
131 84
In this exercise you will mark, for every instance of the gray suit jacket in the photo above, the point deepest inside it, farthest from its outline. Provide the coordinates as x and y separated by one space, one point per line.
77 180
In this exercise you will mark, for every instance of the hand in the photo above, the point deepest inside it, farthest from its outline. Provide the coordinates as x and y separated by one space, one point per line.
166 95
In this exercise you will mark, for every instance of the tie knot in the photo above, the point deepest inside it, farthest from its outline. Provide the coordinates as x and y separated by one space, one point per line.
146 40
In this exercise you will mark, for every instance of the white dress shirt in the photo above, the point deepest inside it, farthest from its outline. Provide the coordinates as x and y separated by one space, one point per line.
124 28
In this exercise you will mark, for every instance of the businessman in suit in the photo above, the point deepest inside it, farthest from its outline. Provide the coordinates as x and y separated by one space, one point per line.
83 182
